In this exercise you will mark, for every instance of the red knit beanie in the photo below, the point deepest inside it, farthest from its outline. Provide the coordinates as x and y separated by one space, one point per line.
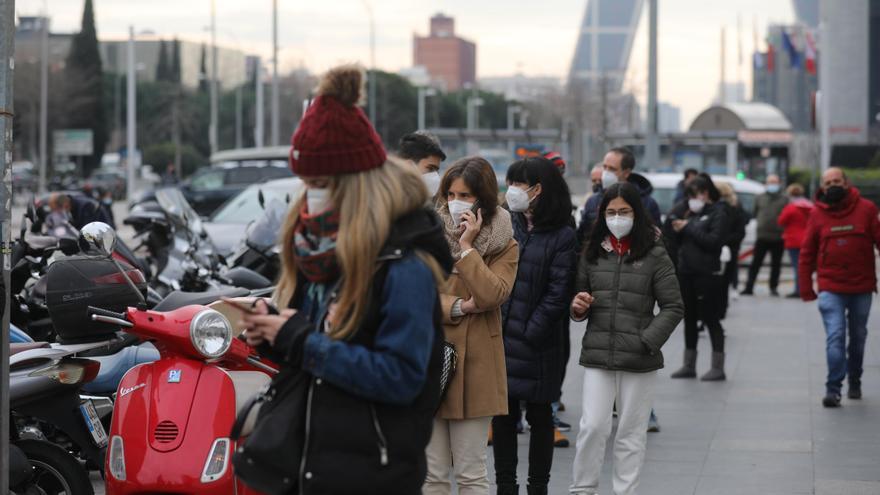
335 137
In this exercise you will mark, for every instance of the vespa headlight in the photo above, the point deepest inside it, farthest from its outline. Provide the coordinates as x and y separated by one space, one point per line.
210 333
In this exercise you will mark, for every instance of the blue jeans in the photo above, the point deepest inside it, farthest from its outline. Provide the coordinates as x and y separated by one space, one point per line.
838 310
795 255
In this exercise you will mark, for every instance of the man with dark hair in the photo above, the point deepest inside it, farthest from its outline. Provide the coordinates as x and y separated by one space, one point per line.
689 175
618 166
422 149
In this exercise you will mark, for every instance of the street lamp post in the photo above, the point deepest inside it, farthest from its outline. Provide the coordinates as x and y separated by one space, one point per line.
473 118
276 103
423 94
372 78
44 96
258 106
131 119
212 133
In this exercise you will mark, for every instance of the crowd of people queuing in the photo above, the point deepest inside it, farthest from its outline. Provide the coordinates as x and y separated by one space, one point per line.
387 261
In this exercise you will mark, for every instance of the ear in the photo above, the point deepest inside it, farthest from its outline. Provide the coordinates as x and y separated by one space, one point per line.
538 189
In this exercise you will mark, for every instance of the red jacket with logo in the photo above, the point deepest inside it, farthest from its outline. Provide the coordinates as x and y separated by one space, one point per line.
793 221
839 247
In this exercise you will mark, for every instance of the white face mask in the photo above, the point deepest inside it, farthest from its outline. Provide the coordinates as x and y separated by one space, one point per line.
619 226
517 199
432 182
456 208
318 200
609 179
696 205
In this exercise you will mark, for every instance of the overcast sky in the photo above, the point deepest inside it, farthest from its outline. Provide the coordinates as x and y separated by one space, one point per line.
536 38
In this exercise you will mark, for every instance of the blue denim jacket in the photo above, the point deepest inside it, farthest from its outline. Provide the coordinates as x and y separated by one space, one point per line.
394 371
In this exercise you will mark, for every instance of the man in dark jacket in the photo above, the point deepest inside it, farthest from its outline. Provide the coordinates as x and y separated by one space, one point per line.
842 233
768 206
618 167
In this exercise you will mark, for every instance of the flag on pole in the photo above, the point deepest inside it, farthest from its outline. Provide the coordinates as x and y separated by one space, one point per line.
793 56
811 53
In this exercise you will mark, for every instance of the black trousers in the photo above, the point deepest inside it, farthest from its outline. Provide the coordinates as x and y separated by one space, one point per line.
702 295
776 250
504 443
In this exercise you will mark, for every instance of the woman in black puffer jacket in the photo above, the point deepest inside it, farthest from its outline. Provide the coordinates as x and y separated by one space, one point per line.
702 234
533 317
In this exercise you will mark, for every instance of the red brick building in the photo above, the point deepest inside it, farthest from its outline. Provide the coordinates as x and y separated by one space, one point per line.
451 61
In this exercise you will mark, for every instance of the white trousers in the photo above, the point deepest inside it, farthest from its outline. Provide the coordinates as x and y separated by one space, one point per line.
634 393
462 444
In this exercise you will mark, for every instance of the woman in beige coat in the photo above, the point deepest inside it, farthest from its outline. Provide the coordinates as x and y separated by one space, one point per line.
480 236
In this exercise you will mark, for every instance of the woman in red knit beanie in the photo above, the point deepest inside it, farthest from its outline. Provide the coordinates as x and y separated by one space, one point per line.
361 261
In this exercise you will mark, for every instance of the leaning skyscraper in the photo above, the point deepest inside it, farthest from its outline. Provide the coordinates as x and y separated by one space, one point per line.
605 41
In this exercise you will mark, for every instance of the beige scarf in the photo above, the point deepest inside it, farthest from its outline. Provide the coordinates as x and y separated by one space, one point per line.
492 239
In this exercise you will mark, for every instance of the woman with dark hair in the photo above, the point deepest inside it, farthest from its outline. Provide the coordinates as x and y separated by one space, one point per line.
480 236
702 234
622 274
534 317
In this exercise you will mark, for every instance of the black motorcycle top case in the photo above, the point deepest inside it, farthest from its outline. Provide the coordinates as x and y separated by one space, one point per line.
77 282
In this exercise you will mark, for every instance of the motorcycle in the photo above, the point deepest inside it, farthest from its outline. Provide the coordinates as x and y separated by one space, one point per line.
157 442
50 420
180 250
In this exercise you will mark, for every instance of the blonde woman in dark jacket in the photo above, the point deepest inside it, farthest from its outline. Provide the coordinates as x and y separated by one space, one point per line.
623 273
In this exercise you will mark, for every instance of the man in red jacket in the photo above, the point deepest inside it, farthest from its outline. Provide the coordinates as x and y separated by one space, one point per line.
839 246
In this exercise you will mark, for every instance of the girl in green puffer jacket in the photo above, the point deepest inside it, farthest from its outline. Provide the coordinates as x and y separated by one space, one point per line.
623 273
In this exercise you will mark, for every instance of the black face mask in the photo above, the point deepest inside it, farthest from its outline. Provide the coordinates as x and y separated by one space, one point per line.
835 194
597 188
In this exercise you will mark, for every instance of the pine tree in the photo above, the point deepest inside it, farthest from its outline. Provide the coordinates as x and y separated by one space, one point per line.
203 71
163 70
175 61
84 87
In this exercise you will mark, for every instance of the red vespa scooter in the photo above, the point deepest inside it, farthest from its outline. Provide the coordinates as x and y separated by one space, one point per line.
172 417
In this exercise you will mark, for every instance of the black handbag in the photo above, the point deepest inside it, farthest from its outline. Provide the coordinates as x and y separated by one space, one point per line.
268 460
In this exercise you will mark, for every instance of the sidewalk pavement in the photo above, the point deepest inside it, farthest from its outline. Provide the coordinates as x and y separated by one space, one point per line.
764 430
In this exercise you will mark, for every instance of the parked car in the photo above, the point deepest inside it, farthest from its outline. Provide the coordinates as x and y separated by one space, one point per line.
227 224
108 179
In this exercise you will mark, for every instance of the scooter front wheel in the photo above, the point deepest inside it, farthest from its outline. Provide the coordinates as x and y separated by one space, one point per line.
56 471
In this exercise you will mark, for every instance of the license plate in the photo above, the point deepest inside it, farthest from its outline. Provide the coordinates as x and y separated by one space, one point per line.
93 422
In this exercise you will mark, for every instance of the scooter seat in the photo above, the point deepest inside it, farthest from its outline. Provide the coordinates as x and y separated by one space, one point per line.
179 299
25 346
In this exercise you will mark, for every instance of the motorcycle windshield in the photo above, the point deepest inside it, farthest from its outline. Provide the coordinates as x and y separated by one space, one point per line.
178 209
263 233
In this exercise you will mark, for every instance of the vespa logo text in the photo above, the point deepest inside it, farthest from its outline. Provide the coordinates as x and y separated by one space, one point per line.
76 296
126 391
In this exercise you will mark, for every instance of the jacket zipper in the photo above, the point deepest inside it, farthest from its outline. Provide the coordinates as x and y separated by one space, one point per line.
305 451
383 444
613 329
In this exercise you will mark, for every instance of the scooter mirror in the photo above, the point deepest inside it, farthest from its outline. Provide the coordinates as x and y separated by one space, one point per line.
261 199
98 236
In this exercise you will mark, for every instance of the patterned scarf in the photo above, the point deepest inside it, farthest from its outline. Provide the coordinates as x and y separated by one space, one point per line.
492 239
314 245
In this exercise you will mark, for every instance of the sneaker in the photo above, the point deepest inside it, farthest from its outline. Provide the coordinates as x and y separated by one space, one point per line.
747 292
831 400
854 393
561 425
774 292
793 295
559 440
653 424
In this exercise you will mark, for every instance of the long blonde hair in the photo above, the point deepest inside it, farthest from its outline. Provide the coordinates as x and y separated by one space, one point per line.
368 204
727 193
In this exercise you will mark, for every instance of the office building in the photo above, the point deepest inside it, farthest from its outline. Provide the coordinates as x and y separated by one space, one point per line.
450 61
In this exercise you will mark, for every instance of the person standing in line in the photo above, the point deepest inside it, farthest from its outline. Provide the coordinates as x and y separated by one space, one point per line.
618 166
737 232
534 319
361 262
596 178
422 149
768 206
623 273
702 234
842 234
793 220
480 236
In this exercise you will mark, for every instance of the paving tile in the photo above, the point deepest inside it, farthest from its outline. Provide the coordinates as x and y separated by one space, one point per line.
838 487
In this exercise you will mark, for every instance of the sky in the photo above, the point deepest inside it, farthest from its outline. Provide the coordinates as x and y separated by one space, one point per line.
534 38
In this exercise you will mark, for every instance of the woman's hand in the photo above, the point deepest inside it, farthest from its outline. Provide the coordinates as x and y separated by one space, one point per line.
678 225
262 327
470 226
470 307
581 304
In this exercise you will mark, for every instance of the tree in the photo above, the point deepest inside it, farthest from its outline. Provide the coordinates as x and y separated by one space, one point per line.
203 71
84 83
175 61
163 67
